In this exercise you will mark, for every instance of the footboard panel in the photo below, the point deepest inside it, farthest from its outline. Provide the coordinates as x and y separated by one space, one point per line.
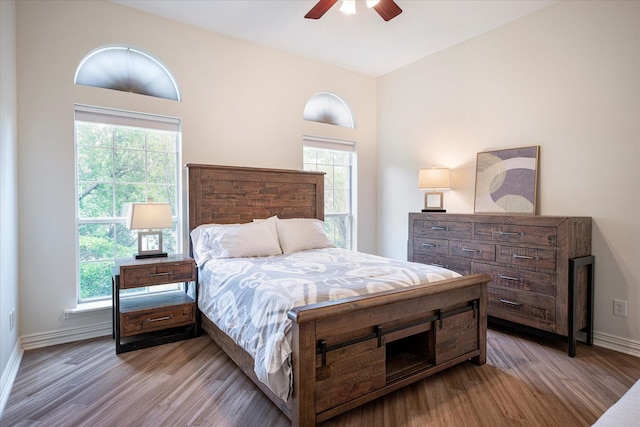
365 348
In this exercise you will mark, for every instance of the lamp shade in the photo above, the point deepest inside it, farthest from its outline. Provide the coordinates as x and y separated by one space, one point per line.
144 216
434 179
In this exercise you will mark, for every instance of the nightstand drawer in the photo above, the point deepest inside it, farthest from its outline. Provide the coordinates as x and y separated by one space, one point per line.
139 322
156 274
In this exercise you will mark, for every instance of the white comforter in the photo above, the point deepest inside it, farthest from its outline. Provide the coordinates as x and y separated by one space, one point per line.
249 298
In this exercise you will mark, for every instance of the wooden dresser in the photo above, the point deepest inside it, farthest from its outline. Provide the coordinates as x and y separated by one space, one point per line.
541 266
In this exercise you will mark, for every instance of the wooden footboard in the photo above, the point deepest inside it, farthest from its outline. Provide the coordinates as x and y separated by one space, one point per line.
355 350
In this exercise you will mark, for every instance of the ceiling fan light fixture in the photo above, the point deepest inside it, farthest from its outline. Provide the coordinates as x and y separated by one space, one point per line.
371 3
348 7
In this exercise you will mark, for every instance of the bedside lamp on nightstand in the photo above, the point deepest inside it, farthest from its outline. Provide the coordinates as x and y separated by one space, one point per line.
149 216
434 179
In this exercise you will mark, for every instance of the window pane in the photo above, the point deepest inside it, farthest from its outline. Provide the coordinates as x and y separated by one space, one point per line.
126 241
160 168
129 166
94 134
341 158
95 279
169 240
126 137
128 193
163 194
95 200
95 164
95 242
161 141
337 190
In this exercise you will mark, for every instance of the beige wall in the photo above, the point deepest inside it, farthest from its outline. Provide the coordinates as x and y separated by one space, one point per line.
8 193
242 105
567 79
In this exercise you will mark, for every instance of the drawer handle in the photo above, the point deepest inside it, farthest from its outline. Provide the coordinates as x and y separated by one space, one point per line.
510 233
515 279
160 319
472 250
516 256
506 301
437 228
170 273
429 245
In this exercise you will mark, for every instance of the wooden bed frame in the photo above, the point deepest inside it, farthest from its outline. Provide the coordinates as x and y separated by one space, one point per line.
346 352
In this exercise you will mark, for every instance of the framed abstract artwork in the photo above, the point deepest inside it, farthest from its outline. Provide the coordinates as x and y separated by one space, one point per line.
507 180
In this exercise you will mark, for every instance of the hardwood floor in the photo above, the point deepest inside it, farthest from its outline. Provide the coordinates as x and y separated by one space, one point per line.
527 381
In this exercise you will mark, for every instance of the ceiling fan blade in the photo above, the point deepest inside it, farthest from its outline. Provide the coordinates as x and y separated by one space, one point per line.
320 9
387 9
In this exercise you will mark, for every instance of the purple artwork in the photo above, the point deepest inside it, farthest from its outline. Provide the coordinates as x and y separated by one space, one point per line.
506 180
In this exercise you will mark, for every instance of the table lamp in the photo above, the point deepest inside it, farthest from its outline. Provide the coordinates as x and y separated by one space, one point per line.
149 216
434 179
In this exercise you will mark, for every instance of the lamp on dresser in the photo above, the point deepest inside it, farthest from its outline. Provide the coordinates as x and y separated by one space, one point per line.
434 179
151 217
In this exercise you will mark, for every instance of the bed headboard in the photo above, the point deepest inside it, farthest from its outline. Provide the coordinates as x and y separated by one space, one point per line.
230 194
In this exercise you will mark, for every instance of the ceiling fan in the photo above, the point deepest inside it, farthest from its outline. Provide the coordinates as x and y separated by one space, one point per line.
387 9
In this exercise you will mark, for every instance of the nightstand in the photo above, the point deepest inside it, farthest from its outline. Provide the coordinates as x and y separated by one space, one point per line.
151 319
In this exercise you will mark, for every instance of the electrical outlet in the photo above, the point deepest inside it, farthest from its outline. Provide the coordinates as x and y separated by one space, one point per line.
619 307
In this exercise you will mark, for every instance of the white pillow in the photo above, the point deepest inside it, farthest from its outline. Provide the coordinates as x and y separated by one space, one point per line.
253 239
300 234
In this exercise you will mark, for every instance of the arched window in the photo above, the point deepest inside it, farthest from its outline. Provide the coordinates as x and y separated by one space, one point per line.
326 107
122 157
127 69
337 158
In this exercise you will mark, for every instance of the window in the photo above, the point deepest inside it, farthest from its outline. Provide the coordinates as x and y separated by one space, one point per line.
127 69
326 107
336 159
121 157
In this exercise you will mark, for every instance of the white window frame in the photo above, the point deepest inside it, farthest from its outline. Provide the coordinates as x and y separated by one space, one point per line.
85 113
332 144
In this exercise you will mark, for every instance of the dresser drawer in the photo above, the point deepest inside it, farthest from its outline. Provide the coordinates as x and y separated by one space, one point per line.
156 274
140 322
525 234
527 257
518 279
537 311
442 229
460 266
473 250
430 246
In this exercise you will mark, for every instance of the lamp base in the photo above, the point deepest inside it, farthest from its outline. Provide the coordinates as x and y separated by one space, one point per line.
159 255
434 210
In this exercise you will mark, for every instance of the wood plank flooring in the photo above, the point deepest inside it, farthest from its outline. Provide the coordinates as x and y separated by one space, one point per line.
527 381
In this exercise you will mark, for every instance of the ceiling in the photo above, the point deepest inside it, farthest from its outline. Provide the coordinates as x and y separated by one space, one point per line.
362 42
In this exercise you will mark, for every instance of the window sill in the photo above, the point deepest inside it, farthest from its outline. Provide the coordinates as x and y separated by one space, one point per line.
87 308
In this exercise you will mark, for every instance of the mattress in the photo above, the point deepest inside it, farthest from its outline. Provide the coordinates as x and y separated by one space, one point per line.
249 298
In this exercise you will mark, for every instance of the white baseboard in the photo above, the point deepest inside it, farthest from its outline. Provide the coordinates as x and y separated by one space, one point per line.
612 342
62 336
9 374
